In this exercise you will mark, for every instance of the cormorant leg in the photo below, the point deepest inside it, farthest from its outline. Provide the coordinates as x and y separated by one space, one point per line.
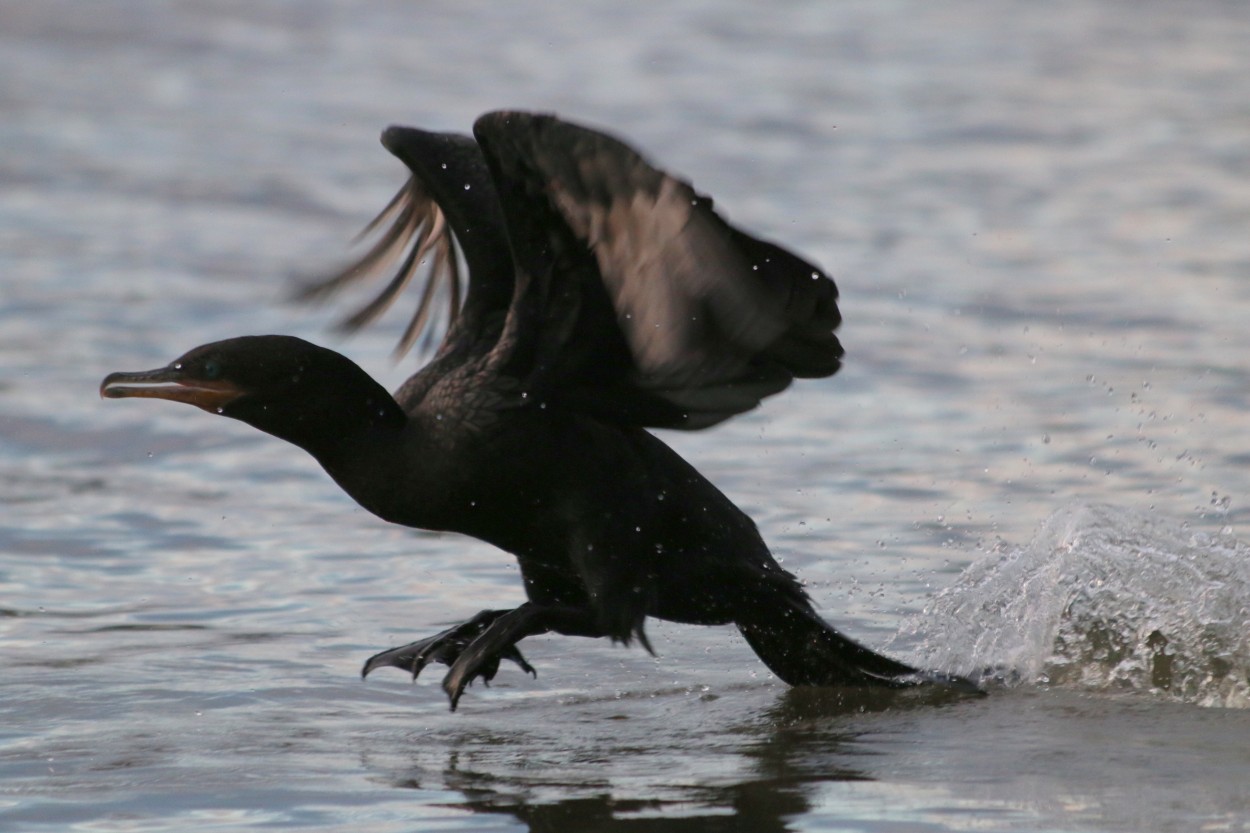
498 641
446 647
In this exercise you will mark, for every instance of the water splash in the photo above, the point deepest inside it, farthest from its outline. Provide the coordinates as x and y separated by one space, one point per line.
1103 598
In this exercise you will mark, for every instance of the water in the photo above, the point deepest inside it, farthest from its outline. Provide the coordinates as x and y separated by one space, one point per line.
1108 599
1036 214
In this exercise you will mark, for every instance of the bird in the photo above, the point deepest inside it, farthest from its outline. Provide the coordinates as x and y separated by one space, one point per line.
591 298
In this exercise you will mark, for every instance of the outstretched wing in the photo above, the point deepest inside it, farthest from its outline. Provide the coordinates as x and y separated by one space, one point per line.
446 209
635 300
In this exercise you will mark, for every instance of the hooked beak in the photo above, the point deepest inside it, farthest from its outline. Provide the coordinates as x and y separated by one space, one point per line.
170 383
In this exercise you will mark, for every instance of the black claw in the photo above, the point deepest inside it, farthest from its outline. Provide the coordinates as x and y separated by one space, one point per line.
417 668
453 647
453 688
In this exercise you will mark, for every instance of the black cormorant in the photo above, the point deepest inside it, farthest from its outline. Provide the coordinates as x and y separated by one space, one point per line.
604 297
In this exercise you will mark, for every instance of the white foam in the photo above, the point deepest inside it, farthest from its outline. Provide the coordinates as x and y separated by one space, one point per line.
1102 598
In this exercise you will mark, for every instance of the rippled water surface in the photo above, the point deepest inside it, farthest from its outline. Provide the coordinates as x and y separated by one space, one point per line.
1035 461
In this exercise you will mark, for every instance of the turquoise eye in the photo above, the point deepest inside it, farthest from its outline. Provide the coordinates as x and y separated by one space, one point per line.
212 369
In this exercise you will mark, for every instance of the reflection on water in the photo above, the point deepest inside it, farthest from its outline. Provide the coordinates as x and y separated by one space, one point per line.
760 768
760 759
1036 215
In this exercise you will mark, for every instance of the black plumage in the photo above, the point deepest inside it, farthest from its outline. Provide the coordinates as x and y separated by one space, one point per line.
603 297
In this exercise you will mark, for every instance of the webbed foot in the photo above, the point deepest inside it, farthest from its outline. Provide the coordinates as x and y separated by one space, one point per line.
447 647
481 659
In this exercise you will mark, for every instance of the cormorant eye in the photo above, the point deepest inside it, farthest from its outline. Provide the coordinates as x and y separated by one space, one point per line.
212 369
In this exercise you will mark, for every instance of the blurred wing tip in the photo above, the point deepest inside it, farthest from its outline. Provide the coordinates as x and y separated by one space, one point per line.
412 229
308 292
393 137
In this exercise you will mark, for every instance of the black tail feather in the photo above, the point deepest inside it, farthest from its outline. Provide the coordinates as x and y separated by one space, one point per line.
804 650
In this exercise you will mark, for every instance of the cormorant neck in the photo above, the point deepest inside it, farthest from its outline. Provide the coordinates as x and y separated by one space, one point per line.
368 460
337 438
326 414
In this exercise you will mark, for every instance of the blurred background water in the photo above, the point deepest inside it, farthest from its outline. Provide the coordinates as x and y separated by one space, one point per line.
1037 214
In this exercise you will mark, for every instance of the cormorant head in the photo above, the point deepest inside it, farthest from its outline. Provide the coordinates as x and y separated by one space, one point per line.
283 385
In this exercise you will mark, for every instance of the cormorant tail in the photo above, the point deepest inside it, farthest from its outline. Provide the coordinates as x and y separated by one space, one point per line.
802 649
